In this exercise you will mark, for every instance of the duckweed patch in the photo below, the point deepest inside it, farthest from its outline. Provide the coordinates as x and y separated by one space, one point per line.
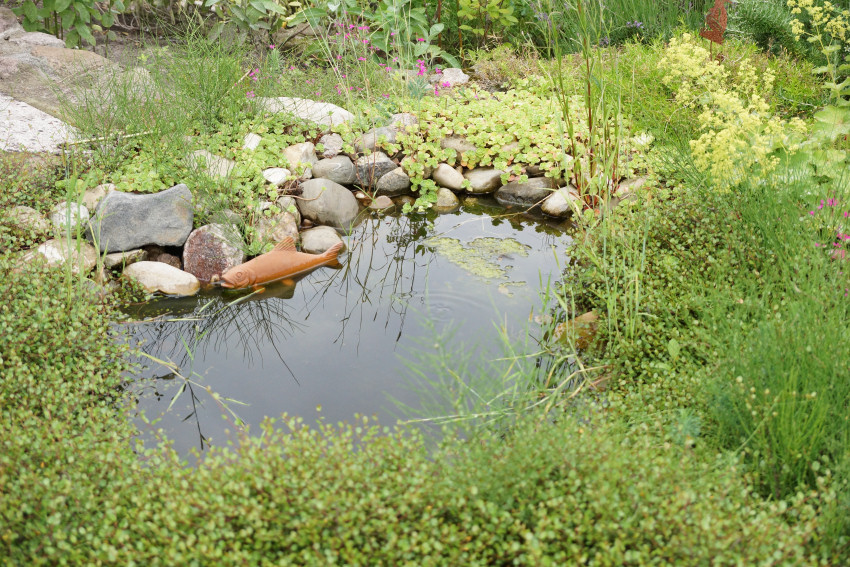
483 257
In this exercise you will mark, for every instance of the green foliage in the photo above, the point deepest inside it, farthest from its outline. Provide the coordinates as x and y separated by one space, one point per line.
246 16
71 20
767 23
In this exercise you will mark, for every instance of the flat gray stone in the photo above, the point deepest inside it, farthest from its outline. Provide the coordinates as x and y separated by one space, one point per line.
121 259
160 277
453 76
526 195
325 202
125 221
319 239
457 143
26 128
484 179
339 169
447 176
322 113
394 183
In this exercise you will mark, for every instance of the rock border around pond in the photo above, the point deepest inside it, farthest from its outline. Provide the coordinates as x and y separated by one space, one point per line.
328 199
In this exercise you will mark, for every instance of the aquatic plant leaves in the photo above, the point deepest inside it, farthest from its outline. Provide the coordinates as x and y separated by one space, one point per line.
715 22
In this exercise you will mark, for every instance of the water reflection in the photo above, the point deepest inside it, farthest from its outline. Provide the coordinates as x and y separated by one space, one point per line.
331 339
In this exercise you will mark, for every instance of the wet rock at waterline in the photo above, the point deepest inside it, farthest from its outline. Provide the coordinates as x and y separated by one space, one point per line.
325 202
276 175
301 156
561 202
211 250
332 144
393 184
339 169
447 176
121 259
92 197
369 140
275 228
58 252
446 200
158 277
483 179
371 168
317 240
69 216
381 203
322 113
214 166
26 218
251 141
527 194
125 221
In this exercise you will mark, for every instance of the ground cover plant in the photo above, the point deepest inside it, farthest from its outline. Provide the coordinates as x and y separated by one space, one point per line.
708 424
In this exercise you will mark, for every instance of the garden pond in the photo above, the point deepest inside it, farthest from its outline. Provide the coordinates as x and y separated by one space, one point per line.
338 342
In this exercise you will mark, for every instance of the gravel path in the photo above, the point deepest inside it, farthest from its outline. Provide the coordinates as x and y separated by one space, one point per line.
25 128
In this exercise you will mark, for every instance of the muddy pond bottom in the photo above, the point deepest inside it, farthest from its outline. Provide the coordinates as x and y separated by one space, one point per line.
342 339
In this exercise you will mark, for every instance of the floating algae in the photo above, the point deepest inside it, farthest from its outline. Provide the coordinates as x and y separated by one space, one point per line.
482 256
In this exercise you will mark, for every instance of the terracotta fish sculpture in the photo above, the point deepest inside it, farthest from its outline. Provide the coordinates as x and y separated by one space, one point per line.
715 22
283 262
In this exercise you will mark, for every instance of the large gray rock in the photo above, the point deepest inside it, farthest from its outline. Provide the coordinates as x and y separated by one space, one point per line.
322 113
369 140
9 24
393 184
124 221
561 202
448 177
483 179
277 175
527 194
371 168
319 239
160 277
453 76
211 250
325 202
301 155
339 169
28 129
402 121
251 141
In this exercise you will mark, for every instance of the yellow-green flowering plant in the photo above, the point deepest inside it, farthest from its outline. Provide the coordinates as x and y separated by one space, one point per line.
739 135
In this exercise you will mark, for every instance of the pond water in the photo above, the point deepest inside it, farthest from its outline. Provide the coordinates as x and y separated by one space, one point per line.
339 339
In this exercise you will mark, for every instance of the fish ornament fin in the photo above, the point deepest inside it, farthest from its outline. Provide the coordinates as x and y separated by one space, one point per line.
288 282
285 245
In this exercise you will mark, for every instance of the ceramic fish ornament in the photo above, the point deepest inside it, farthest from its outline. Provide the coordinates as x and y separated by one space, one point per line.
283 262
715 22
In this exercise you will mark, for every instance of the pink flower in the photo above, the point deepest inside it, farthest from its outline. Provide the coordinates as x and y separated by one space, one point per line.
271 46
250 94
361 59
392 34
420 39
446 84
